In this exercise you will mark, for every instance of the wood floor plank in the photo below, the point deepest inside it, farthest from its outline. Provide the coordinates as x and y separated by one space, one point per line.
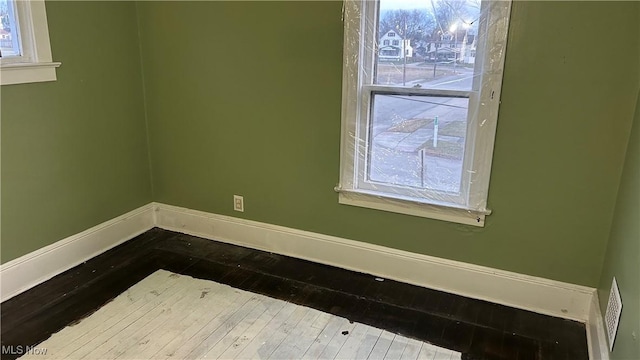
234 350
382 345
397 348
198 341
47 295
132 336
333 327
412 350
264 306
249 310
143 339
121 306
427 352
169 341
279 334
250 351
444 354
298 342
168 316
369 341
101 345
337 341
359 343
109 321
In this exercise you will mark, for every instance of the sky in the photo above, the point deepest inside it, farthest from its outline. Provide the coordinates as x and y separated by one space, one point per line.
404 4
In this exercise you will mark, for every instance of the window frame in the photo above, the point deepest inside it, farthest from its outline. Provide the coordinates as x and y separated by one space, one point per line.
35 64
360 47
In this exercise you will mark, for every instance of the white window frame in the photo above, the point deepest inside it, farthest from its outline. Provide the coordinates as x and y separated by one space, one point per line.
360 45
35 64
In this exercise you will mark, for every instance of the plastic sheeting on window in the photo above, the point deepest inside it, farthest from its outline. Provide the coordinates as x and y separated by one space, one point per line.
420 99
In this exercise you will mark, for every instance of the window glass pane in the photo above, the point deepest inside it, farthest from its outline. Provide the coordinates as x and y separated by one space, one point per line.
435 43
417 141
9 41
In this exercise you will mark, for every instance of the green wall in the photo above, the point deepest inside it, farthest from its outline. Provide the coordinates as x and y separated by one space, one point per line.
623 252
244 98
74 151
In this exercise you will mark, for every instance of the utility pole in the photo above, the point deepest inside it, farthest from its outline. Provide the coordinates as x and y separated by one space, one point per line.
454 29
435 60
404 52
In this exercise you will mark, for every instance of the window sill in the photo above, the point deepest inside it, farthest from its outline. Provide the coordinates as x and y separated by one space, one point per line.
23 73
402 206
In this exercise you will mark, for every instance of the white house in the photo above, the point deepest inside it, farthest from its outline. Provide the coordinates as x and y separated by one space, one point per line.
5 35
394 47
448 49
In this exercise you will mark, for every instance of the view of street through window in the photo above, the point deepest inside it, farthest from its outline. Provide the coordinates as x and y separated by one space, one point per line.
419 140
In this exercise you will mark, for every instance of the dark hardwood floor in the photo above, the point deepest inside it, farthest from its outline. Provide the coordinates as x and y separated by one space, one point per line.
478 329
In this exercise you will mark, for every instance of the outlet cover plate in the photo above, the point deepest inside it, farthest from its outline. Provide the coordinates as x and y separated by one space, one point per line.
238 203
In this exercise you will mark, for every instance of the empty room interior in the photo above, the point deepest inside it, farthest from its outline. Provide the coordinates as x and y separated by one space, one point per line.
367 179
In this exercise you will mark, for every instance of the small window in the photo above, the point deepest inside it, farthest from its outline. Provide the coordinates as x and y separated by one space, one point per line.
417 138
392 34
396 42
385 43
25 52
9 36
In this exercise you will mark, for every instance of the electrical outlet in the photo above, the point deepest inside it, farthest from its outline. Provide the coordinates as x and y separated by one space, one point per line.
238 203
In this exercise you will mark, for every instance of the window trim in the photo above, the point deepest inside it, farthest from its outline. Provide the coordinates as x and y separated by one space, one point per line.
35 64
357 56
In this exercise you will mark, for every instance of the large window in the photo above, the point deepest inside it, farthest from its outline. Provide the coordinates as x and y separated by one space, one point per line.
418 125
24 43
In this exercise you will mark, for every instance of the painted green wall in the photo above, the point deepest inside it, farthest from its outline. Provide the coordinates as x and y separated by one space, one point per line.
74 151
623 252
244 98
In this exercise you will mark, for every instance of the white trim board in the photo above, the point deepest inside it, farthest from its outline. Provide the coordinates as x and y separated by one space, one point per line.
596 334
25 272
517 290
521 291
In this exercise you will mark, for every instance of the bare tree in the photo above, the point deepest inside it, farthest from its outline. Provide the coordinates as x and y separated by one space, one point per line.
415 25
447 13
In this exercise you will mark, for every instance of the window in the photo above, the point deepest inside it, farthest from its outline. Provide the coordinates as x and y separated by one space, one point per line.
417 138
396 42
392 34
24 43
386 42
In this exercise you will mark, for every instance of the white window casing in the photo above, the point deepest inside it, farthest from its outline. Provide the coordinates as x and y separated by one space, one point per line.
34 64
469 204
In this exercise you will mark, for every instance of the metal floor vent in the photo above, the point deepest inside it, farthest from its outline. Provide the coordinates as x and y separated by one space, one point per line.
612 316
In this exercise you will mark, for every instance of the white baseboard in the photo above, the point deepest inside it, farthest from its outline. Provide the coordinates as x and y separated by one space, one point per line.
41 265
521 291
596 336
